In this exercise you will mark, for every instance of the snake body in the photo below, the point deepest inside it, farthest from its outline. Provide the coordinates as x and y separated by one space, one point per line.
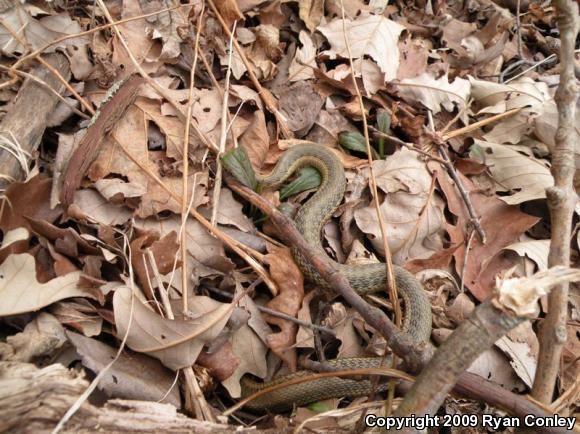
365 279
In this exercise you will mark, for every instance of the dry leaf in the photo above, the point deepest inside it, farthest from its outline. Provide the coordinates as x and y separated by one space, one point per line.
304 61
290 281
435 93
368 35
515 170
177 343
311 12
21 292
132 376
413 216
536 250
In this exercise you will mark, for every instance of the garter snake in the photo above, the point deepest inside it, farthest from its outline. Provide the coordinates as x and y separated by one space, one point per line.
364 278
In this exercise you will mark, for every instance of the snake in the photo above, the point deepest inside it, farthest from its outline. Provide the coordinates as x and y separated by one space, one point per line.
364 279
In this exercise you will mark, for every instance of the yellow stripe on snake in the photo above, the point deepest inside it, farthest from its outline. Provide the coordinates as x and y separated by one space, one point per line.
365 279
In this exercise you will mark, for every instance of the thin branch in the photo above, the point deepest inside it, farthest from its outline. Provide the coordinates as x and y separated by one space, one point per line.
561 202
217 185
185 174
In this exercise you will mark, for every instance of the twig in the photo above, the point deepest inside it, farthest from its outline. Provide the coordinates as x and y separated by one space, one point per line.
200 406
278 314
185 174
489 322
66 84
561 202
474 219
217 185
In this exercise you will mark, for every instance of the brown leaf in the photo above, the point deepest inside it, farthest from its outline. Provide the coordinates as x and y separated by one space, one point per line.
80 315
311 12
413 216
28 199
290 281
177 343
221 363
21 292
132 376
300 104
229 11
163 250
491 210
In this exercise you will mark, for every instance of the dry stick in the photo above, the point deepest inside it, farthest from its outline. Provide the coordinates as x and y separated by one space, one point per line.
561 202
50 89
490 321
217 185
185 154
415 356
391 282
200 407
66 84
277 314
266 96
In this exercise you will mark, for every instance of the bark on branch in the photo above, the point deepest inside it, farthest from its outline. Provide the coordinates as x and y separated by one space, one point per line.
561 202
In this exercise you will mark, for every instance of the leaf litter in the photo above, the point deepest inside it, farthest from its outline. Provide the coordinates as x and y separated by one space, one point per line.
110 266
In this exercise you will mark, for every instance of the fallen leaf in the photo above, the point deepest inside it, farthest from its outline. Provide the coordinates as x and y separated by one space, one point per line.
290 281
536 250
435 93
21 292
132 376
491 210
304 61
515 170
311 12
413 216
300 104
29 199
368 35
90 205
176 343
80 315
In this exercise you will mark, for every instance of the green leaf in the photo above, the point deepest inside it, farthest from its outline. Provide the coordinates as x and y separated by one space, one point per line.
308 177
383 121
318 407
236 162
353 140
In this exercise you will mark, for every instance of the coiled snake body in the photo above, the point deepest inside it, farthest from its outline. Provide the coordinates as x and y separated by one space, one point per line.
364 279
